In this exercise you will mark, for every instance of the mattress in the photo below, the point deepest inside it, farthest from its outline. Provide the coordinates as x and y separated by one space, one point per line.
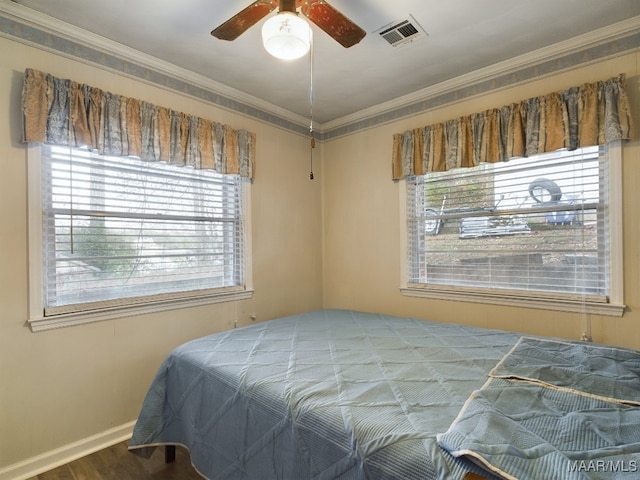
330 394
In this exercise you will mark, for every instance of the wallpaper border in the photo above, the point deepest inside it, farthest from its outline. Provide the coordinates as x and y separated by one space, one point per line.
21 30
613 48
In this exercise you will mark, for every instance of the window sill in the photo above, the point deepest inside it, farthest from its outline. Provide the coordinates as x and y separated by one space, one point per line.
512 299
39 324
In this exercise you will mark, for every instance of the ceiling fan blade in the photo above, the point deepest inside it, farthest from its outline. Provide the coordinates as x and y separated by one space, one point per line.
241 22
334 23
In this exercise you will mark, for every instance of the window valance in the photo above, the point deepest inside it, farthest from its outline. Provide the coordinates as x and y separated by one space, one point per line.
64 112
591 114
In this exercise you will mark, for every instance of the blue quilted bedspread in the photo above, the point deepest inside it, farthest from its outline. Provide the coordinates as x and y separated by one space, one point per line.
325 395
554 409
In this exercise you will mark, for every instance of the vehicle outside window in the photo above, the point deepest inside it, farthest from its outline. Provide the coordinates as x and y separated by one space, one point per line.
537 224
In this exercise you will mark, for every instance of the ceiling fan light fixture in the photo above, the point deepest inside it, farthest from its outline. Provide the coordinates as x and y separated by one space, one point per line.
286 36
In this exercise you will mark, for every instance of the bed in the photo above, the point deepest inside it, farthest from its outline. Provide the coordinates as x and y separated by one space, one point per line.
337 394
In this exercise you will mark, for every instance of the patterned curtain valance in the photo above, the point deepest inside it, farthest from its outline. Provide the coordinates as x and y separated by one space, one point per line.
64 112
591 114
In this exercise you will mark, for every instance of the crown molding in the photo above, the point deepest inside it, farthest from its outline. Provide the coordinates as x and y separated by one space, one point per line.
508 67
71 33
580 50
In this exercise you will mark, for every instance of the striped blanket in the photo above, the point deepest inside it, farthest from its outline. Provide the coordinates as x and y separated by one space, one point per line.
554 409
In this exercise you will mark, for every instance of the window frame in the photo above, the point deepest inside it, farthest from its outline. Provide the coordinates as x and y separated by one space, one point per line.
130 307
614 306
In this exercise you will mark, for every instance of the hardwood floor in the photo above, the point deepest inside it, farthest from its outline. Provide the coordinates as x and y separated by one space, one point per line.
117 463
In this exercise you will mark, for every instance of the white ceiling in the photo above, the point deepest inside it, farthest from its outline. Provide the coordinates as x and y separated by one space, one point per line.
463 36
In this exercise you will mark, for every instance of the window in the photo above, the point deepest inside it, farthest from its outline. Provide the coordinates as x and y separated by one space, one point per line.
541 229
120 233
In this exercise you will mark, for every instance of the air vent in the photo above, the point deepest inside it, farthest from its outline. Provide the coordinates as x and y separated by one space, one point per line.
401 32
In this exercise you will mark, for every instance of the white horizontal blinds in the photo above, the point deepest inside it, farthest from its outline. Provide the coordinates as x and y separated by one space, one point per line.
120 228
534 224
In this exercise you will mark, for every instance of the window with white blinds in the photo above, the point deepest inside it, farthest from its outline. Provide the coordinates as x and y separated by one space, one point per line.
119 231
537 225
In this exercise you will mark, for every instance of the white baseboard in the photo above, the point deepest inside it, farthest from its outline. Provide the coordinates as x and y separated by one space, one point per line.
41 463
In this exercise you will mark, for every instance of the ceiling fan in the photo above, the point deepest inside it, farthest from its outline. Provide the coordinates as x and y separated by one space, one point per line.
330 20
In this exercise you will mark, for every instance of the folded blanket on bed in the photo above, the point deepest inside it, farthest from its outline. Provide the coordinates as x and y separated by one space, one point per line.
609 373
554 409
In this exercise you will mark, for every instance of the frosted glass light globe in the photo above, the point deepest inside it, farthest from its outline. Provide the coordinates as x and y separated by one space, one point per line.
286 36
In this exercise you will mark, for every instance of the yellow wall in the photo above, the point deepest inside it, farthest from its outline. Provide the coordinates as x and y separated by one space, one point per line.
61 386
361 211
333 243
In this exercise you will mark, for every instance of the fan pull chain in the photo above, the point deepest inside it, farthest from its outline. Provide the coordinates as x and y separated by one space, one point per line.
313 140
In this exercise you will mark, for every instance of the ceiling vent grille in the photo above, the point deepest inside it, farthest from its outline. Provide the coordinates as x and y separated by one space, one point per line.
401 32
